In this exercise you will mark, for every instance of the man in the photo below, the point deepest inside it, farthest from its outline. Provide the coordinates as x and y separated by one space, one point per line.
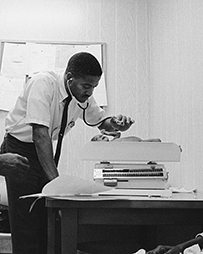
31 127
195 245
13 165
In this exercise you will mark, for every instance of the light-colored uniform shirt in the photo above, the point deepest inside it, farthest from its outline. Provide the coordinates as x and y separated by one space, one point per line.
42 102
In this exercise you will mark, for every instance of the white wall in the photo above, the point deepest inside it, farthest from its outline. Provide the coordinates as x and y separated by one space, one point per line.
154 67
176 83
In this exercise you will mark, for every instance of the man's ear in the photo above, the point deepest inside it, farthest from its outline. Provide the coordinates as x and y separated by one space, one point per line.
68 76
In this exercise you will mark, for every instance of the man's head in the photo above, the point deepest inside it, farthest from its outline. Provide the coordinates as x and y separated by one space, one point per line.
84 64
82 75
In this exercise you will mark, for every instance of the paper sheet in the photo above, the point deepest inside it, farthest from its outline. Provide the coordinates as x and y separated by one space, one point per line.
14 60
71 185
10 90
67 185
41 57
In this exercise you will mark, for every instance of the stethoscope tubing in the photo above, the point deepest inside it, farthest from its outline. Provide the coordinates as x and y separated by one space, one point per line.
84 118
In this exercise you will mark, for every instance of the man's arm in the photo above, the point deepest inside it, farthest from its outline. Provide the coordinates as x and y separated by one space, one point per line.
44 150
197 240
161 249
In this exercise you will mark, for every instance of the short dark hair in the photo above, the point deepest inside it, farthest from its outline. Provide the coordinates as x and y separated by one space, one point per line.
83 64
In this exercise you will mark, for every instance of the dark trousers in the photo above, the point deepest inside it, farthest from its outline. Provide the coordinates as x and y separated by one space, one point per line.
28 228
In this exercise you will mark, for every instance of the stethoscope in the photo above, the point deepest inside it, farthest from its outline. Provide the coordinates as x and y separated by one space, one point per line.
84 109
84 117
114 133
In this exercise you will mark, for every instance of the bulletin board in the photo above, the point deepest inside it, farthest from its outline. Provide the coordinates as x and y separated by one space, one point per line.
20 60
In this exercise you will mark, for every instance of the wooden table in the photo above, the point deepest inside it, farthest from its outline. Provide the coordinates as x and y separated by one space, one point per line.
181 209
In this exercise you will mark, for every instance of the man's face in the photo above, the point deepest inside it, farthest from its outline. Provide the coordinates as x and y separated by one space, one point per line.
82 88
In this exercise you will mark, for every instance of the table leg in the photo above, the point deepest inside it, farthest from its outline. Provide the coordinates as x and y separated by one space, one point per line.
51 230
69 230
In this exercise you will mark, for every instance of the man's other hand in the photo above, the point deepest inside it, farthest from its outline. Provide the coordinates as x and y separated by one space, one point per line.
121 123
13 165
160 249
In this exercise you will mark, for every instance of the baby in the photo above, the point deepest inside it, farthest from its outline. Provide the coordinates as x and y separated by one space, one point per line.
105 136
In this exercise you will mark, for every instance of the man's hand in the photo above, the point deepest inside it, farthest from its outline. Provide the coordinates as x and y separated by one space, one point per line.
121 123
161 249
175 250
13 165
